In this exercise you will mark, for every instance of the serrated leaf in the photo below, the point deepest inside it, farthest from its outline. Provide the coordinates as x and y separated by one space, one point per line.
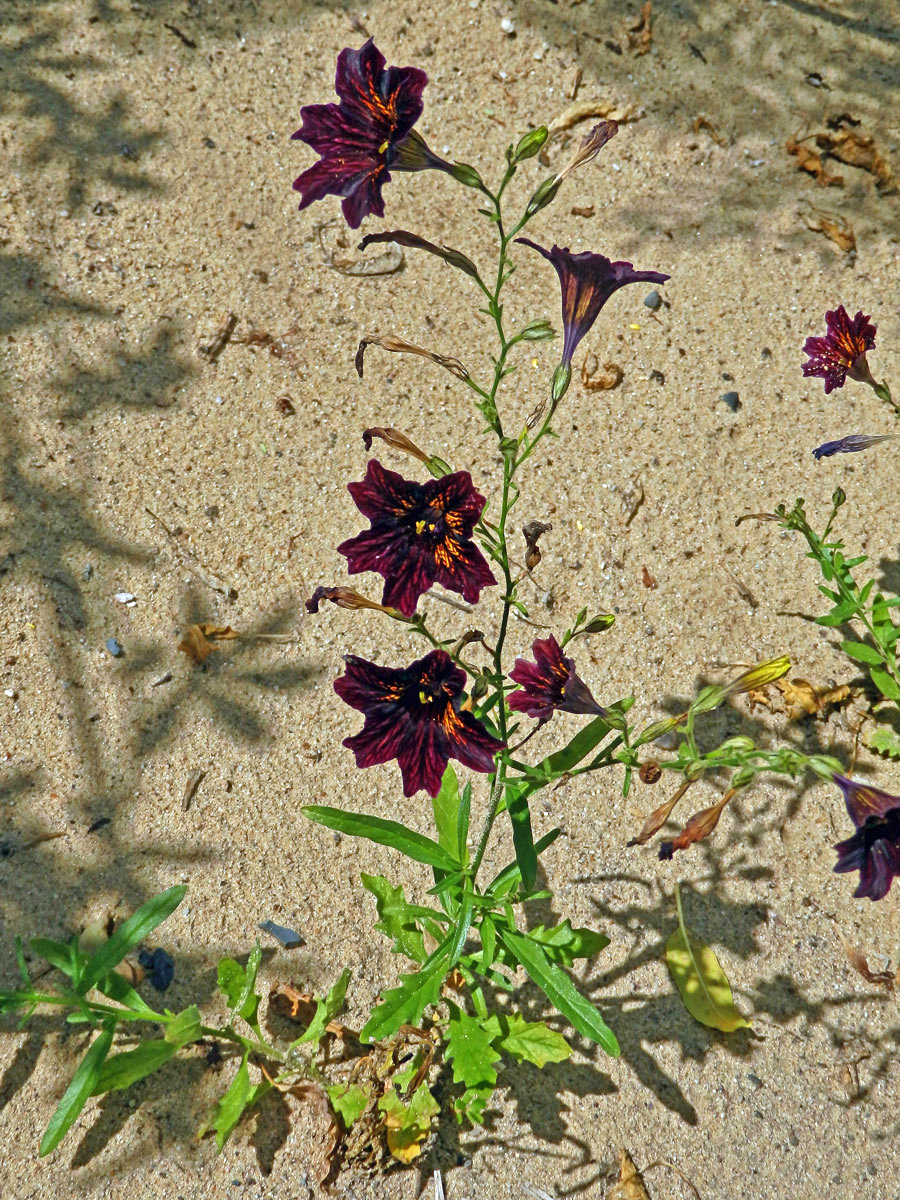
533 1041
883 741
349 1101
408 1125
446 813
564 944
703 985
860 652
236 984
471 1051
560 990
395 918
122 1070
185 1028
230 1108
76 1094
130 934
405 1004
385 833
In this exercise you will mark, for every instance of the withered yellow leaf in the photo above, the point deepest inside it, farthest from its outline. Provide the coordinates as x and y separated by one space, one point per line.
703 985
629 1185
198 641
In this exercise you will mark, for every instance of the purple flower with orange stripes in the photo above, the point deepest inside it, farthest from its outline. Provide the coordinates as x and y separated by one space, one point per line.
550 684
366 136
421 534
414 715
842 351
874 850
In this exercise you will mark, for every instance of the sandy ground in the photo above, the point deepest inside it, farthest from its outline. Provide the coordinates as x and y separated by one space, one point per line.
145 192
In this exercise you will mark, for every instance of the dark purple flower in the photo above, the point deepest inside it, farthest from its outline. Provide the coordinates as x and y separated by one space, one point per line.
874 850
421 534
842 351
851 444
549 684
366 134
414 715
587 281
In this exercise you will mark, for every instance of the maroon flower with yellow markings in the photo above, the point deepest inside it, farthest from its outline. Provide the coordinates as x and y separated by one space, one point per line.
842 351
414 715
587 281
365 136
874 850
421 534
550 684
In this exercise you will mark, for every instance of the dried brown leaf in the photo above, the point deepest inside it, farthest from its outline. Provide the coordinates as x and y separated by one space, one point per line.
808 160
704 123
860 964
700 826
630 1184
839 231
591 381
399 346
198 641
647 579
858 150
220 338
640 35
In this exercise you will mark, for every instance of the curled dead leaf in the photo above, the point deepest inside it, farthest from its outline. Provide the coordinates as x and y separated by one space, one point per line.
640 35
860 964
705 123
199 640
837 229
811 162
592 380
858 150
630 1184
399 346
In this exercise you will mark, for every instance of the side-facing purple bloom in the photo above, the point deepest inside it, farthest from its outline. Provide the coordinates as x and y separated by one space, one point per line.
364 136
421 534
842 351
851 444
414 715
587 281
874 850
550 684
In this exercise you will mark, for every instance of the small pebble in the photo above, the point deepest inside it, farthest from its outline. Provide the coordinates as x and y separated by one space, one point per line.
87 572
288 938
508 26
732 400
127 598
209 143
114 647
653 300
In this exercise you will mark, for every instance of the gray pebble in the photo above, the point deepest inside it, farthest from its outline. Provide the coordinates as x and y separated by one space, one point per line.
732 399
288 938
653 300
87 572
114 647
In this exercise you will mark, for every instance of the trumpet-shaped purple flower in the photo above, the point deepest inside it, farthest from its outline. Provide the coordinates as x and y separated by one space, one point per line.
414 715
842 351
587 281
874 850
364 136
851 444
421 534
550 684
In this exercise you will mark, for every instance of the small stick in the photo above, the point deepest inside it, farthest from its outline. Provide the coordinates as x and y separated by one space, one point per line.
190 788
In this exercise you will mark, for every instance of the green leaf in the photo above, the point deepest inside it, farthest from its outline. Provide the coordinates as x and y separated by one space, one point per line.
703 985
510 876
446 814
488 931
462 825
471 1050
581 745
523 837
78 1091
560 990
230 1108
860 652
130 934
59 954
326 1010
532 1041
564 944
122 1070
405 1004
408 1125
884 741
385 833
398 918
236 984
20 962
349 1101
885 683
185 1028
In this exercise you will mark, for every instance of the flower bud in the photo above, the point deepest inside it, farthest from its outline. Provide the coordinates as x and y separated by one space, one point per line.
543 196
562 377
537 331
530 144
466 175
438 467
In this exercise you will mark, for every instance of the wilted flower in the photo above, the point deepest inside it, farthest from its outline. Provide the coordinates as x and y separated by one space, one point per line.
851 444
414 715
874 850
365 136
421 534
842 351
550 684
587 281
344 597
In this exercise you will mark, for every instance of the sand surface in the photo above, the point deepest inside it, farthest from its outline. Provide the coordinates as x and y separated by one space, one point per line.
145 193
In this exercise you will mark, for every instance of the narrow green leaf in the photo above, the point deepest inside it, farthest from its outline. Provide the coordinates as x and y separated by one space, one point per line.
185 1028
57 953
446 813
78 1091
122 1070
885 683
560 990
326 1010
488 931
130 934
462 825
405 1004
523 837
860 652
20 962
230 1108
509 877
564 944
248 1002
385 833
703 985
586 740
